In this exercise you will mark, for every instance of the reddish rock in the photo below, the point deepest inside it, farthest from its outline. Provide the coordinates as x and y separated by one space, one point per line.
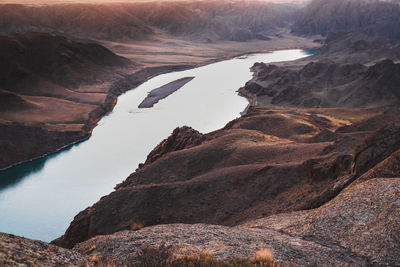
377 147
19 251
181 138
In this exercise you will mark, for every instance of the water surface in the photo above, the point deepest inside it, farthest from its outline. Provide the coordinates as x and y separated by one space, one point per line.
39 199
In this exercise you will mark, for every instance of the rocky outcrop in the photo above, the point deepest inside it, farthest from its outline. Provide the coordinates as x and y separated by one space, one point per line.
19 251
359 221
377 147
181 138
220 242
349 70
326 84
356 47
389 168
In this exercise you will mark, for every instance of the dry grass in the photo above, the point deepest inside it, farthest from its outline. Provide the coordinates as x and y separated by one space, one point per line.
265 257
152 256
163 257
95 261
137 226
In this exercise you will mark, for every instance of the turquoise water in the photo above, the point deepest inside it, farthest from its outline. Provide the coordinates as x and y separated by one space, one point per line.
39 199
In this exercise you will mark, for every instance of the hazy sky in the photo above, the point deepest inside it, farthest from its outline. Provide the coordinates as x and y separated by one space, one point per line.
97 1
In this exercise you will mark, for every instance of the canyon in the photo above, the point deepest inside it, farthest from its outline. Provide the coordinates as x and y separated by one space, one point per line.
309 173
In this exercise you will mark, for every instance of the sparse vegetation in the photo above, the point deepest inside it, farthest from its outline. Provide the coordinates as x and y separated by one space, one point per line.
163 257
137 226
152 256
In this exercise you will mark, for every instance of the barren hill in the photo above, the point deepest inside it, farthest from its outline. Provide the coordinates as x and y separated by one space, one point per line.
350 70
375 18
49 85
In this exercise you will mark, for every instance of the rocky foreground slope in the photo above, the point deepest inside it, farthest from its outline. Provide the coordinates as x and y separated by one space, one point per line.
356 228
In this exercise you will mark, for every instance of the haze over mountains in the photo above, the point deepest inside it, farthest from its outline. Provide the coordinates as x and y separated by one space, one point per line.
201 21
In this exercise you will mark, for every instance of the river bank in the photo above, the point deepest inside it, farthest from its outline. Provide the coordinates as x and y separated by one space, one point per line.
121 141
77 120
51 138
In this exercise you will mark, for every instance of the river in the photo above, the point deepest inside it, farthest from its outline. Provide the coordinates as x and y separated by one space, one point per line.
39 199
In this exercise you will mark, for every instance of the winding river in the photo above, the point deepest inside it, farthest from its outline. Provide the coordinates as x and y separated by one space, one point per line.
39 199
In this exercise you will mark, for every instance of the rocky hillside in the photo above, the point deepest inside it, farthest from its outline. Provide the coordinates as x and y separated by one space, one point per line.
328 84
335 234
363 74
375 18
49 86
46 58
300 162
18 251
356 47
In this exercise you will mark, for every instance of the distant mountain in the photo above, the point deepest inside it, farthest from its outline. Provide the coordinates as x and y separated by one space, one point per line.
236 21
198 20
73 20
371 17
40 57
